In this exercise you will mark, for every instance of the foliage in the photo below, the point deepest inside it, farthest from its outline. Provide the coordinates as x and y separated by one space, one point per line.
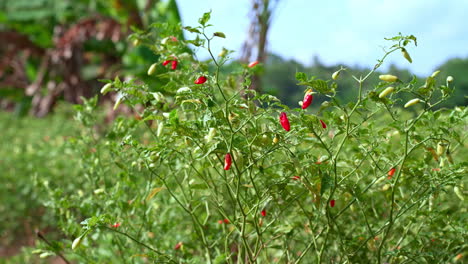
278 79
356 179
34 153
153 187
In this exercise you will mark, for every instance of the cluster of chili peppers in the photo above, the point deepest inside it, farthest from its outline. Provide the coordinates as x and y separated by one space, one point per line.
172 62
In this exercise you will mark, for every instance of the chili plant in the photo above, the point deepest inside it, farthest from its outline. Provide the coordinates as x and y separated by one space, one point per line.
210 171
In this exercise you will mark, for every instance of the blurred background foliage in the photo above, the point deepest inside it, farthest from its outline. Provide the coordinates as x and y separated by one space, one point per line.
57 50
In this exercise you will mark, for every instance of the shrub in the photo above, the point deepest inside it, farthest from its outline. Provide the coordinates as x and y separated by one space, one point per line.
208 170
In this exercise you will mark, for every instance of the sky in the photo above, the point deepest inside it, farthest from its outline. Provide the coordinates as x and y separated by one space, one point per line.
347 32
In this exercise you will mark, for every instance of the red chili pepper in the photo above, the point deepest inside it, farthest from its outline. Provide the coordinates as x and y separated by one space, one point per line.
263 212
390 173
174 65
178 246
307 100
226 221
332 203
166 62
323 124
252 64
220 222
117 224
173 38
284 121
227 161
200 80
296 178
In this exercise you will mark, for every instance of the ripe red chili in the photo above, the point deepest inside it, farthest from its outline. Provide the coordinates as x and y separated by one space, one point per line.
323 124
263 212
200 80
226 221
390 173
166 62
284 121
227 161
115 225
307 100
252 64
178 246
332 203
174 65
220 221
296 178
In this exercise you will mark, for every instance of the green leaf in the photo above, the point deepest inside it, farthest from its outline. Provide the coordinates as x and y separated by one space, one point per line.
205 18
325 183
219 34
301 77
320 85
192 29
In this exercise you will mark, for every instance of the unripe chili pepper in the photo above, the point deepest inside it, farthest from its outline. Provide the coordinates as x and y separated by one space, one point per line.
323 124
458 193
388 78
136 42
152 69
307 100
391 172
386 92
449 79
106 88
211 134
441 148
200 80
335 75
406 55
174 65
284 121
449 156
263 212
160 129
332 203
434 74
118 102
412 102
227 161
275 140
252 64
77 242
